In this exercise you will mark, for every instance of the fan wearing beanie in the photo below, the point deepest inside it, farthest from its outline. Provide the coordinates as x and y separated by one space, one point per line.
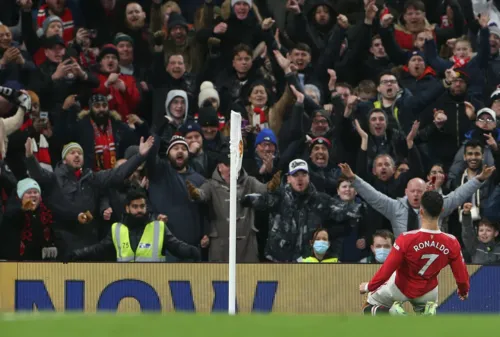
185 218
241 8
29 234
120 89
73 193
209 97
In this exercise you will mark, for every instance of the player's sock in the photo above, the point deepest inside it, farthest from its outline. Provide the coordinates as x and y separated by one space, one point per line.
374 310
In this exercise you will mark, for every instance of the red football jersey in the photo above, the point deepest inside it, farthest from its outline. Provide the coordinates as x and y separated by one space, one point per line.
417 258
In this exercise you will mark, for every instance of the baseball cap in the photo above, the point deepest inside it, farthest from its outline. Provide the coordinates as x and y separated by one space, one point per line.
297 165
487 111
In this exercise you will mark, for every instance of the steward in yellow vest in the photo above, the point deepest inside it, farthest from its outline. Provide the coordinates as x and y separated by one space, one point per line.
320 244
138 238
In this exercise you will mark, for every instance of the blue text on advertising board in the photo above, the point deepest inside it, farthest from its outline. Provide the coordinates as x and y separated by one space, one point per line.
31 293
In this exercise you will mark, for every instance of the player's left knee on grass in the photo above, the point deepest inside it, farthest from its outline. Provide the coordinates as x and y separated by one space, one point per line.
375 310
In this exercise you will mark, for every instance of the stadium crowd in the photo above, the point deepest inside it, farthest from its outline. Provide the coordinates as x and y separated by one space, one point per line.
115 119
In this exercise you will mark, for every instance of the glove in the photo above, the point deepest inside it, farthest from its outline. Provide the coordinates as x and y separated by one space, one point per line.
193 192
24 101
248 199
84 218
28 205
275 182
159 36
49 253
16 97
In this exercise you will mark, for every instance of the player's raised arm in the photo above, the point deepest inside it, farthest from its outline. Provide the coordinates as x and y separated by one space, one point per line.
459 270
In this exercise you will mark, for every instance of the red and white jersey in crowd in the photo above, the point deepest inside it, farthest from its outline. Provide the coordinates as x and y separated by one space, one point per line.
417 258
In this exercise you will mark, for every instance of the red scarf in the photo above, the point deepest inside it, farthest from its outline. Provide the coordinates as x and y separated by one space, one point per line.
27 231
262 114
459 63
104 147
40 149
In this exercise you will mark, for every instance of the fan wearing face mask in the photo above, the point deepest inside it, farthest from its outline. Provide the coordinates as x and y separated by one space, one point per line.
320 244
381 247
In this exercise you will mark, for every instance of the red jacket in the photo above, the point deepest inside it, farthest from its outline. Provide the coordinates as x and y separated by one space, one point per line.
124 102
66 17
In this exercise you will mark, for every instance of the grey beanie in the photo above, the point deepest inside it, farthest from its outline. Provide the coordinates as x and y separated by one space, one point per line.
53 18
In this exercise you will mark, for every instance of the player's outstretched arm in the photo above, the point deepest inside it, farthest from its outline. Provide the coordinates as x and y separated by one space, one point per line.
459 270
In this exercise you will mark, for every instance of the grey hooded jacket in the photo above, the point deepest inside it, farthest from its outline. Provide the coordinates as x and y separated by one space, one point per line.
396 210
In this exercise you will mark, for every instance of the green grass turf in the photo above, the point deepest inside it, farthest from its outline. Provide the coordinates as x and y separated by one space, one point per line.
197 325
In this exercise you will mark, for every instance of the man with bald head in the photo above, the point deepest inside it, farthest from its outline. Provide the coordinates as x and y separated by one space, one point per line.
403 213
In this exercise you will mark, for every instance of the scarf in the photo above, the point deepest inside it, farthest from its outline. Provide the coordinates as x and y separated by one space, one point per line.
40 150
45 216
459 63
104 147
412 218
259 119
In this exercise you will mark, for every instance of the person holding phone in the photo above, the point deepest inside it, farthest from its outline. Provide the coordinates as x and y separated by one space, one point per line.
37 127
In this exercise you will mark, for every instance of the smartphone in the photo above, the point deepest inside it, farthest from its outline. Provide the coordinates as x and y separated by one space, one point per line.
92 33
44 115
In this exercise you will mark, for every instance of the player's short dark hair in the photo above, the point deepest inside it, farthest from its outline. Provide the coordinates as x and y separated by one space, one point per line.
432 203
473 143
384 233
135 194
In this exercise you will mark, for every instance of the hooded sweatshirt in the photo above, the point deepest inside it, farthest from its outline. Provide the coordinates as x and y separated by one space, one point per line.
170 97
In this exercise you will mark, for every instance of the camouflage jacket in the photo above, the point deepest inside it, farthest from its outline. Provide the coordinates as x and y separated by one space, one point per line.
295 216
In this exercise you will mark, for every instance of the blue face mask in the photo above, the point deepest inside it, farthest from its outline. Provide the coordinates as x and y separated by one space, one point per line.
381 254
321 247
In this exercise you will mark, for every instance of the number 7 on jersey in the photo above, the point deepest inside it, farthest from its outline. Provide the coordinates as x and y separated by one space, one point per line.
431 258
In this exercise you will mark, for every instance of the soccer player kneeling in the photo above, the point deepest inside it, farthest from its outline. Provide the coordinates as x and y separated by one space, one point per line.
410 272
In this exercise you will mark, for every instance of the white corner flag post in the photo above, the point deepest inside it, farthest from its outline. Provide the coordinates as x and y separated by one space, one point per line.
236 150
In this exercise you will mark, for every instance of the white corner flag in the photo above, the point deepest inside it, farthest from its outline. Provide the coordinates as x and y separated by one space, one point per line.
236 150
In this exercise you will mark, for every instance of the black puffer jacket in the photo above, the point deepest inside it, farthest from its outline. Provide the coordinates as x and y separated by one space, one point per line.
68 196
294 218
136 230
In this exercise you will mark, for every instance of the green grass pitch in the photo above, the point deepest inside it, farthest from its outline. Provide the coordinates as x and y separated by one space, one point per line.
245 325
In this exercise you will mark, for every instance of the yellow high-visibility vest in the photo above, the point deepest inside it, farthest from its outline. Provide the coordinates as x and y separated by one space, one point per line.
312 259
149 248
378 105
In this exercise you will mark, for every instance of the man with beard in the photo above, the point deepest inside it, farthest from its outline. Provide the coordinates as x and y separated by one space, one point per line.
134 25
473 157
487 134
120 90
72 192
101 133
138 238
297 210
169 196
